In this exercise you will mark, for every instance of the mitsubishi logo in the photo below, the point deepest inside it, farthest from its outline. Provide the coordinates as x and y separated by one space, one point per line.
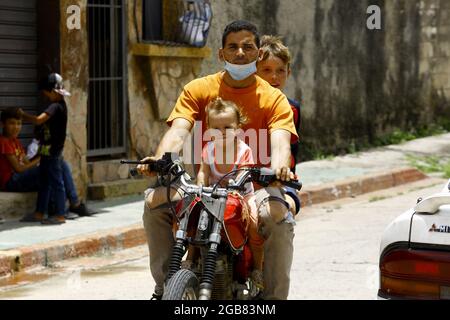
440 229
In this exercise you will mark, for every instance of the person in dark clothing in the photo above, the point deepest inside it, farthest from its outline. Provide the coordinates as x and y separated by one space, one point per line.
77 208
53 135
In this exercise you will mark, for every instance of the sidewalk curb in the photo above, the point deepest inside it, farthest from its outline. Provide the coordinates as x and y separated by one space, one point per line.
357 186
46 254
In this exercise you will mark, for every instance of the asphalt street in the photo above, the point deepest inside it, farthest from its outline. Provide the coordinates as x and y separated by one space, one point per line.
336 256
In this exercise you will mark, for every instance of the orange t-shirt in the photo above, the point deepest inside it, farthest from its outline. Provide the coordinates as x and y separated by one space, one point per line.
266 108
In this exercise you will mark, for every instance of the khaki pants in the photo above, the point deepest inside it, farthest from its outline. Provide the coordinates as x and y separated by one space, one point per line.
278 246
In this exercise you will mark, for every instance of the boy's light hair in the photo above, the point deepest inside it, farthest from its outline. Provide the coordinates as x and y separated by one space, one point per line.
219 105
273 46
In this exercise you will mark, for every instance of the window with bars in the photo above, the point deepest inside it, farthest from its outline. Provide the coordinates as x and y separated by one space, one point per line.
107 78
177 22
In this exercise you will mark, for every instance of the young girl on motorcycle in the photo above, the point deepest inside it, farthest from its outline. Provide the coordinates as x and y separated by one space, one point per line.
226 153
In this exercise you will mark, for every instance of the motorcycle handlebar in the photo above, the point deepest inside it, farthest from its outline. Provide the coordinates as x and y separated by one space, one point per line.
153 165
263 176
266 176
134 171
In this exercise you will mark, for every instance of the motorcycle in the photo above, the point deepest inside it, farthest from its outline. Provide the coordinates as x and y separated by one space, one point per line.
210 228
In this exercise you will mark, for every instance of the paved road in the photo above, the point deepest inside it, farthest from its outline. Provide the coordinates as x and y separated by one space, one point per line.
336 256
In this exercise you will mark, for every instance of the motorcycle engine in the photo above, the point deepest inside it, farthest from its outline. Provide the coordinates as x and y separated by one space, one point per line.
223 281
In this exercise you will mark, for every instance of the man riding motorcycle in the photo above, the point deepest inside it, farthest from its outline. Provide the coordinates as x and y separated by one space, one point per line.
270 114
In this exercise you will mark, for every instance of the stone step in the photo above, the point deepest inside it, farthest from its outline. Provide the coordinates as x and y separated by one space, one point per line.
118 188
16 205
105 171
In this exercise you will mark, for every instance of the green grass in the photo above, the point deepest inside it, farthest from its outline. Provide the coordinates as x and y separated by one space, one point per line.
354 146
399 136
430 164
323 156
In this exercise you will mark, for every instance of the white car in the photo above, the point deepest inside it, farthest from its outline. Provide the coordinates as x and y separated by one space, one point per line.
415 251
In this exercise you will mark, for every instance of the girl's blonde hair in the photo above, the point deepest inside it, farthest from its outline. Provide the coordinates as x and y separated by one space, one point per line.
272 45
219 105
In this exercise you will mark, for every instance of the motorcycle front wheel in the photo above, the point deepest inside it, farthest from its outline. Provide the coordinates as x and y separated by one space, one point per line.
182 286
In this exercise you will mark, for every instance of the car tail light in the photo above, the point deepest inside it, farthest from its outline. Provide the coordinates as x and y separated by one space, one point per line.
415 274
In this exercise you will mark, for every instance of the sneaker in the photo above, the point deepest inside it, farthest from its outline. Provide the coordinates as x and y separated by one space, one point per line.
54 220
156 297
71 216
158 294
82 210
33 217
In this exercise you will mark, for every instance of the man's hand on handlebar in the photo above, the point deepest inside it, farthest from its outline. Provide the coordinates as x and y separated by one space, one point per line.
283 174
144 169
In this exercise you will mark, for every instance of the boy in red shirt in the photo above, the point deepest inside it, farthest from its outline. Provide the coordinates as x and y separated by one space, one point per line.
12 156
18 174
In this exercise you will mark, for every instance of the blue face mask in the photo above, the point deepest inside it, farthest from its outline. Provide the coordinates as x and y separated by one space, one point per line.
240 71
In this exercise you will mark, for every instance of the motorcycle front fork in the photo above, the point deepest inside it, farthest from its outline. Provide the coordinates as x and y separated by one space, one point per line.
178 250
209 265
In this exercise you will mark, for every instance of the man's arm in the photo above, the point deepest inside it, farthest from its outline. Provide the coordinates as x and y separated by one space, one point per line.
280 141
172 141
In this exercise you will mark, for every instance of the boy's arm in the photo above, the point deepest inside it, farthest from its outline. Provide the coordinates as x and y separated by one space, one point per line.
38 120
203 175
34 160
17 166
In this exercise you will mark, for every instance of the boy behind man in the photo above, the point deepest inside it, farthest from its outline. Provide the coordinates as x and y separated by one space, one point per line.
275 67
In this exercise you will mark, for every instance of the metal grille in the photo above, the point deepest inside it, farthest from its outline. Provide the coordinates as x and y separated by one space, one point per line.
18 58
179 23
107 78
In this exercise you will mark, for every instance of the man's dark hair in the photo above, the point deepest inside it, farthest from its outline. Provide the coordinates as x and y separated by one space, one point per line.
240 25
11 113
